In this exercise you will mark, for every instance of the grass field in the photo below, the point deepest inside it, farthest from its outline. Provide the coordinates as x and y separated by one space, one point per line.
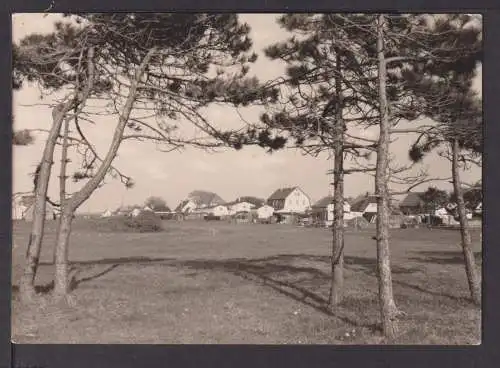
212 282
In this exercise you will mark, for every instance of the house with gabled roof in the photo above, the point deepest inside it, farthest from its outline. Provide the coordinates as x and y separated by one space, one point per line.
264 212
204 199
186 206
240 205
364 205
412 204
479 208
323 210
218 210
289 200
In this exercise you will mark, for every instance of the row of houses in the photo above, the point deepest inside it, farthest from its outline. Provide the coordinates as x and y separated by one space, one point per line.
413 204
285 204
288 203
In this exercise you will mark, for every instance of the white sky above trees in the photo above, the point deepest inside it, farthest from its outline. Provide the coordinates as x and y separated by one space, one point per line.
173 175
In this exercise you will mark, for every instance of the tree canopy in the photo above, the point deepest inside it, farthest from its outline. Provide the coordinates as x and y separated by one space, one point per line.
157 204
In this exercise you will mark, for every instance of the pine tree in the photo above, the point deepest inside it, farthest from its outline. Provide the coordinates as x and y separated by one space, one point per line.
171 64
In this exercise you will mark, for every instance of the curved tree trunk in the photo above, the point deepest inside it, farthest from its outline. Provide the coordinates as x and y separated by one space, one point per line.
388 308
470 262
77 199
337 280
27 283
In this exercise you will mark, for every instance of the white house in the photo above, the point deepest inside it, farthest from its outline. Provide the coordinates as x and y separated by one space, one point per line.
441 212
205 199
323 210
18 209
264 212
364 205
237 206
135 212
479 208
218 210
289 200
107 213
186 206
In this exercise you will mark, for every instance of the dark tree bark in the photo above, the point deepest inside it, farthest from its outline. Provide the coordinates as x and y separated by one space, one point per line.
388 308
470 263
337 280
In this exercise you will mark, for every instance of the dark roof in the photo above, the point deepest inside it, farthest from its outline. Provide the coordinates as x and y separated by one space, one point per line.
257 202
204 198
281 194
349 200
323 202
360 203
412 200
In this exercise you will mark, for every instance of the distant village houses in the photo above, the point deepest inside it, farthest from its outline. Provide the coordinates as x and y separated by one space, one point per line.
364 206
239 206
292 205
289 200
264 212
323 211
185 206
412 204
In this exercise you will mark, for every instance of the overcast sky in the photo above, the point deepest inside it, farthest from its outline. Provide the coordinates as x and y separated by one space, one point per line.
173 175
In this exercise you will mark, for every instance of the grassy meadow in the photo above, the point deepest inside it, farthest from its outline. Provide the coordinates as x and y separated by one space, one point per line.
215 282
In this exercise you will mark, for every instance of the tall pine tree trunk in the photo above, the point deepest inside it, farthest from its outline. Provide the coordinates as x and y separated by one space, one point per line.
77 199
337 280
470 263
62 175
61 254
387 305
27 283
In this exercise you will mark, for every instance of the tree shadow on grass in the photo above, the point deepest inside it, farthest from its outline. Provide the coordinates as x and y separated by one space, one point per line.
112 261
78 267
299 283
75 282
443 257
280 273
368 266
39 289
430 292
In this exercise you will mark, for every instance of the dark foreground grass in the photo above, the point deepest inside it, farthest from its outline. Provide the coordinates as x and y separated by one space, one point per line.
225 283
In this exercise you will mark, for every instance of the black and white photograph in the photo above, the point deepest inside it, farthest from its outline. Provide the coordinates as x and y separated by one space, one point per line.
253 178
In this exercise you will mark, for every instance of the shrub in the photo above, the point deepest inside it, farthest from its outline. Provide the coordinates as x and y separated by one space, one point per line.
145 222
